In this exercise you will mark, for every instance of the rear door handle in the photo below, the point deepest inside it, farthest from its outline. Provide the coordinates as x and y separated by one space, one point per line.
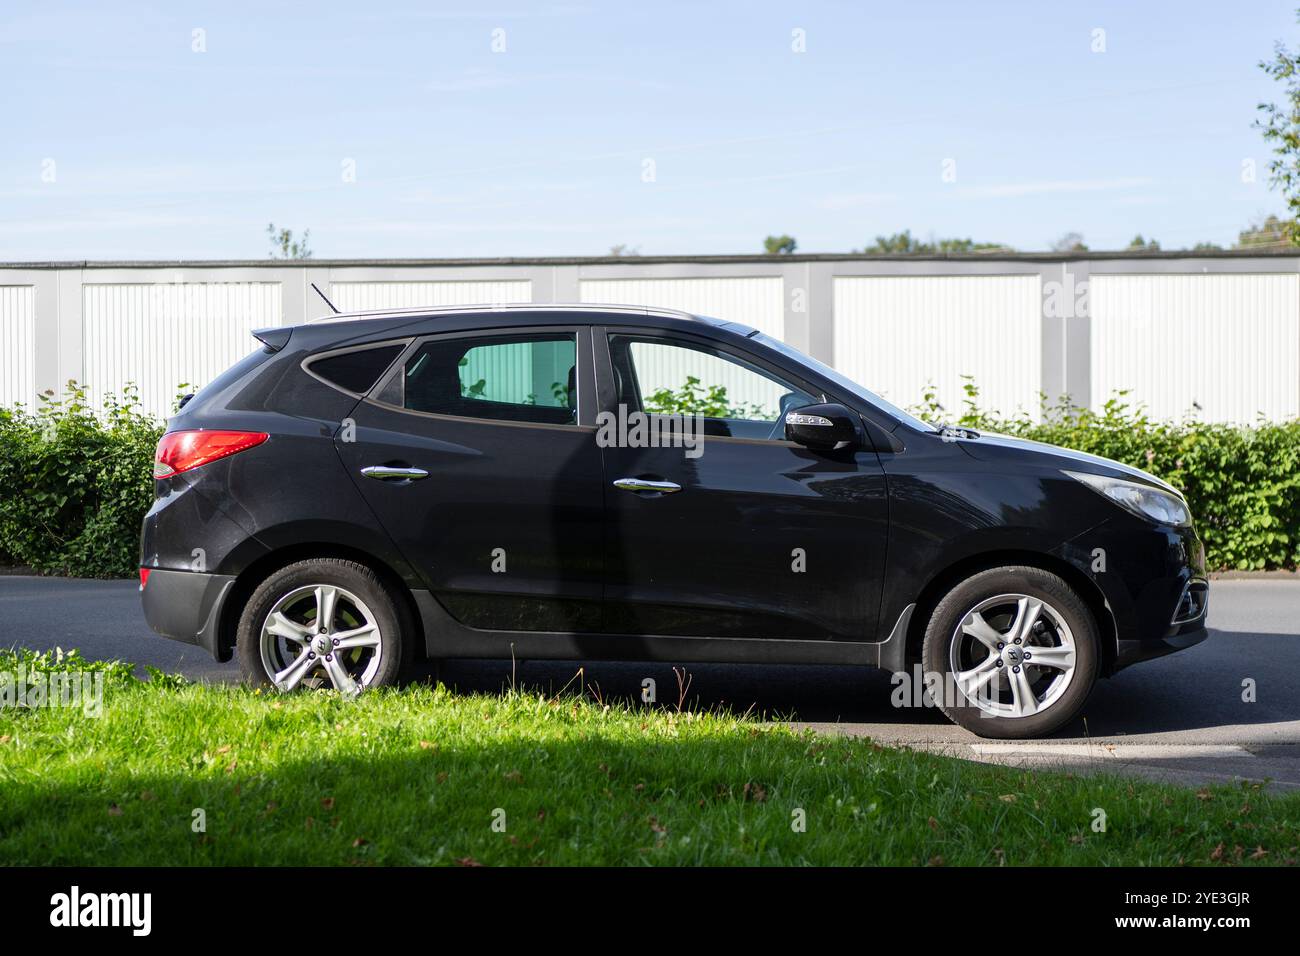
391 473
644 484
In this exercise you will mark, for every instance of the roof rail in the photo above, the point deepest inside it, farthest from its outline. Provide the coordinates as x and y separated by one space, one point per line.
507 307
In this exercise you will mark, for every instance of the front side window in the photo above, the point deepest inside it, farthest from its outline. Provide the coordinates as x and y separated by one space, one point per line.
669 377
517 378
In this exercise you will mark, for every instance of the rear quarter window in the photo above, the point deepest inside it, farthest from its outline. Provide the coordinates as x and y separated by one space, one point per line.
355 371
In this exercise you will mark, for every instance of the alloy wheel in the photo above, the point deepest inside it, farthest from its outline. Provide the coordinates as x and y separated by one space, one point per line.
321 635
1012 655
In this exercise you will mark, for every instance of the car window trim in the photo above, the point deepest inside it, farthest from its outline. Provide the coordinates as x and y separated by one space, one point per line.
307 363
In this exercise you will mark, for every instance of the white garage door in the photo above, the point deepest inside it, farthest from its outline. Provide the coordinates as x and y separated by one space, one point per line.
17 345
1229 344
360 296
164 335
897 335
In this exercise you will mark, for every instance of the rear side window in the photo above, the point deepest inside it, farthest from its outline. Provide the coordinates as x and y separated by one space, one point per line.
517 378
355 371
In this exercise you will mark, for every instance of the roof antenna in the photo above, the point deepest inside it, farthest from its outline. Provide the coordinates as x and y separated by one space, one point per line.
325 297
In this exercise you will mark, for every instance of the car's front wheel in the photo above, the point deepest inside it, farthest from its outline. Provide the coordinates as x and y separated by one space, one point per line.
1017 651
321 623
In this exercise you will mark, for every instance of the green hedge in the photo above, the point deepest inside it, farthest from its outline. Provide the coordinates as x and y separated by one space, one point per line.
73 486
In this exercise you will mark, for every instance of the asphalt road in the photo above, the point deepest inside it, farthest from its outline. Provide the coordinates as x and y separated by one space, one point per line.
1181 717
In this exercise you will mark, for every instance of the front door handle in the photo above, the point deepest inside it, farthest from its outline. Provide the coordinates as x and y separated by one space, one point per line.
392 473
644 484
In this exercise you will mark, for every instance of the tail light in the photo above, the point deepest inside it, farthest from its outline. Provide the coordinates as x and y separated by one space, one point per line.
144 577
181 451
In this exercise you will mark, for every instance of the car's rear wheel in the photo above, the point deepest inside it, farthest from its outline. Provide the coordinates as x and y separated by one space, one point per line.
1017 650
319 624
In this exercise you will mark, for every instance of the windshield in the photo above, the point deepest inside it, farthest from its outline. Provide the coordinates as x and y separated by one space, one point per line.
844 382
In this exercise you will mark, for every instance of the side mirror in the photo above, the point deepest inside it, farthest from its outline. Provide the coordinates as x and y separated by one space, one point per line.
821 427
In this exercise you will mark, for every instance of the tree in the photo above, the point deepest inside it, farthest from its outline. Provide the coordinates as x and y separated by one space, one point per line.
1070 242
779 245
1207 247
1272 233
622 251
903 244
1143 245
283 244
1281 127
899 244
965 246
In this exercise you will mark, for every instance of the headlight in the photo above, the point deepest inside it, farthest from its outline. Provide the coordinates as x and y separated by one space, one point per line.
1142 500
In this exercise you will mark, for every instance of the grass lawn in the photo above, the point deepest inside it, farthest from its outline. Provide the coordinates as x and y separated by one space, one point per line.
422 776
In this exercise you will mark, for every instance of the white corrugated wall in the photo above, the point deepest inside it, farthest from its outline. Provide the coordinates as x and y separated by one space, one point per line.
17 345
1228 343
898 334
360 296
163 335
756 301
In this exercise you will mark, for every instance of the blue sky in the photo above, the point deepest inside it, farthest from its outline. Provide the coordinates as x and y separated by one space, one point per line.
159 151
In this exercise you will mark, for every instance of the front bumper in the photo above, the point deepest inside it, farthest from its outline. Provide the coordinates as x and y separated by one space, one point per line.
1135 652
186 606
1143 572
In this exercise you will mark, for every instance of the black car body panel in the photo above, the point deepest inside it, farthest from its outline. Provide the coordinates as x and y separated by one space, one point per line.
595 572
187 605
532 491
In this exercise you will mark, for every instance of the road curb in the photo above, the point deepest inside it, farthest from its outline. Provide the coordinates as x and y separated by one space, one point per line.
1255 576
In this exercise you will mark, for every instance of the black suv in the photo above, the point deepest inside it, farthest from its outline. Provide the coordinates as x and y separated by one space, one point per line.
605 482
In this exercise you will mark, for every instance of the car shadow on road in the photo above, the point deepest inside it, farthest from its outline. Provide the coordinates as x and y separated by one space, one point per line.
1232 679
1202 688
802 692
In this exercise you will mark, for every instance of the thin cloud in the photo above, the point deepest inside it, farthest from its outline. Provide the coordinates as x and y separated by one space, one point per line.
853 200
473 81
538 226
553 10
1050 187
114 223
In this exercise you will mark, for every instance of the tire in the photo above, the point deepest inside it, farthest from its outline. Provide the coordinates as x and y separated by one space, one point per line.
1002 693
365 643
